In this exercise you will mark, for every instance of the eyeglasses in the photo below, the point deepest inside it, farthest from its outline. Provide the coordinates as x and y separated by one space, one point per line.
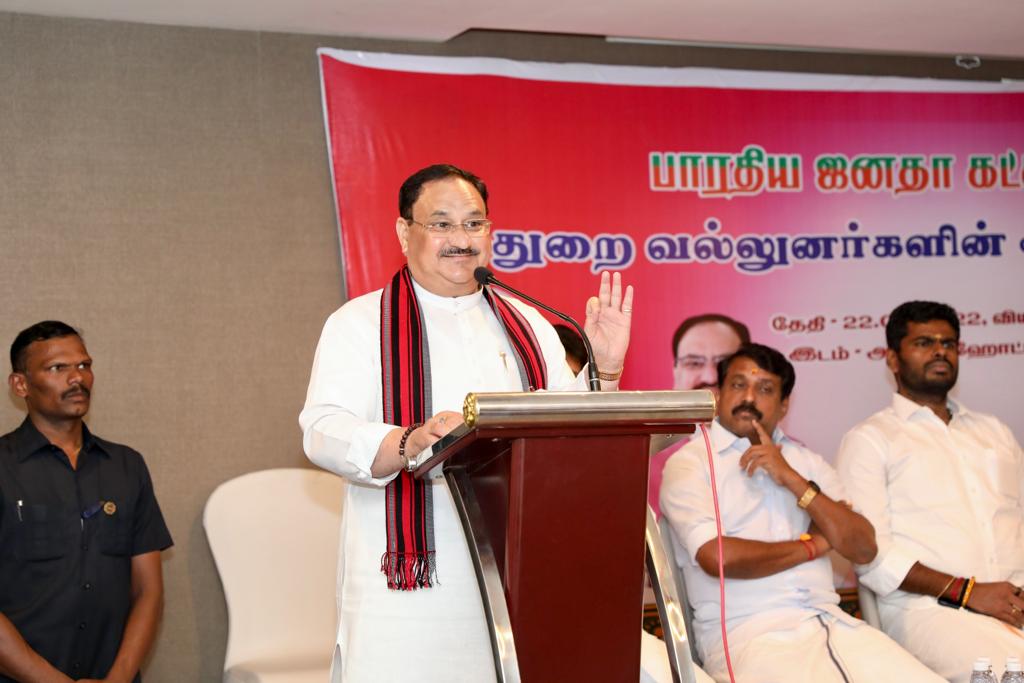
694 362
474 227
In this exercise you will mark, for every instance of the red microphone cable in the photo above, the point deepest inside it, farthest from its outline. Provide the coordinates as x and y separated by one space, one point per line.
721 561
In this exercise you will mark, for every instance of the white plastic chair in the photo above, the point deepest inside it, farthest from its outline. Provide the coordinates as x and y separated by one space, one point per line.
676 662
274 539
677 575
868 605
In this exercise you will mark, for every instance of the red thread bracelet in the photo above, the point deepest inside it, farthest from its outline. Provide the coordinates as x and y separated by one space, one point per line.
812 552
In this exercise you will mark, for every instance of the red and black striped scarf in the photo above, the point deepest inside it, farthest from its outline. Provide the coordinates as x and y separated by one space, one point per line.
409 561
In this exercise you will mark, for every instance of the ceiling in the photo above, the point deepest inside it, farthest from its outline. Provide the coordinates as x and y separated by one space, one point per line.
993 28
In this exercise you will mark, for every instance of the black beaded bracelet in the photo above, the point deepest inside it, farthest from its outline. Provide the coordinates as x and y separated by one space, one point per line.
401 444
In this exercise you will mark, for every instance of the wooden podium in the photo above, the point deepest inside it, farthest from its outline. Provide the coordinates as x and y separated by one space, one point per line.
552 491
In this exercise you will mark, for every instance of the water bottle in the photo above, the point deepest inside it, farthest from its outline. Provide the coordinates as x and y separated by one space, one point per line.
1013 672
982 671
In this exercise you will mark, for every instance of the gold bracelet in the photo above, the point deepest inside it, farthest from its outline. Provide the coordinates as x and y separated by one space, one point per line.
948 584
967 593
610 376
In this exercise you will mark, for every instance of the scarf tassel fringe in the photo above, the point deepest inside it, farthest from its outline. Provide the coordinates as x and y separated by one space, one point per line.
409 571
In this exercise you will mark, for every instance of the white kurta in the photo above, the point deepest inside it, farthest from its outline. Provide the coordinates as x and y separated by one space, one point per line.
950 496
782 627
752 508
438 634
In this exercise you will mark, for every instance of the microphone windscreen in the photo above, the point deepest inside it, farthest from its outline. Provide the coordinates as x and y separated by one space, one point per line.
482 275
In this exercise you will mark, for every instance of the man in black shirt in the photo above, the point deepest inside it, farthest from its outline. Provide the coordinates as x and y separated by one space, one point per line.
81 589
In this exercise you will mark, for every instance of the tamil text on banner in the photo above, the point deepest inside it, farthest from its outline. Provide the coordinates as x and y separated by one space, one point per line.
805 206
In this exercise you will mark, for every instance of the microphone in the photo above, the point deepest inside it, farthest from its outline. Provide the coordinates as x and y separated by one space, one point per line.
485 277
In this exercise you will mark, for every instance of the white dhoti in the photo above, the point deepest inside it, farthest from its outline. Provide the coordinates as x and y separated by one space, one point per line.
822 649
948 640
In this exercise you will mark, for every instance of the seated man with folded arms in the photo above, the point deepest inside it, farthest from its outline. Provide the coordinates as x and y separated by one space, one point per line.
942 486
781 512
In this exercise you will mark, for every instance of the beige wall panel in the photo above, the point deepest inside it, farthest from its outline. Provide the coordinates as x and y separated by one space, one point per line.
167 191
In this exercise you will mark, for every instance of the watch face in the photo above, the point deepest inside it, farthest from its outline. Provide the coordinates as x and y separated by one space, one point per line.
809 494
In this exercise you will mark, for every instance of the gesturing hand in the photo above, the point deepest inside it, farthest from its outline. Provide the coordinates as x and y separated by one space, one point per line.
768 457
609 316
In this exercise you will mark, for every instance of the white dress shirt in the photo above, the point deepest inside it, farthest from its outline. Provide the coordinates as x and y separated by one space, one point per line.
438 634
947 496
753 508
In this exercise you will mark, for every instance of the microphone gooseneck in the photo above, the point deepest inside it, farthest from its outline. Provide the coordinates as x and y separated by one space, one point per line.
485 277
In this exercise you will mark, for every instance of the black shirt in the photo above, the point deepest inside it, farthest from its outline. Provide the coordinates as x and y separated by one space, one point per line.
67 537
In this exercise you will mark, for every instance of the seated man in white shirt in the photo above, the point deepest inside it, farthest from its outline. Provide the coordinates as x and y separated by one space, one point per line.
778 524
942 486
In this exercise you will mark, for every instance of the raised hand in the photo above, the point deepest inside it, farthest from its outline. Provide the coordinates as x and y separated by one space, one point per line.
768 457
609 317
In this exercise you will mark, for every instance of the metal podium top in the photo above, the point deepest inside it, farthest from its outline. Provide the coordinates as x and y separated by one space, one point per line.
568 407
550 410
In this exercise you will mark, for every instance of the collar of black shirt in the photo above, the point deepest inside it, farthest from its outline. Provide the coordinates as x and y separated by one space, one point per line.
30 441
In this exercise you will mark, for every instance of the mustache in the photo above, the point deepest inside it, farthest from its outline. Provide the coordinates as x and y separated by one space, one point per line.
747 407
75 391
704 385
459 251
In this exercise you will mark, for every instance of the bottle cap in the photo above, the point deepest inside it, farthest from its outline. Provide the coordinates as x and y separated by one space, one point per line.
1013 664
982 664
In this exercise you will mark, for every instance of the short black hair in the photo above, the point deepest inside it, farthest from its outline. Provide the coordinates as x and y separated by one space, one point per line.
739 328
41 331
572 343
768 359
917 312
413 185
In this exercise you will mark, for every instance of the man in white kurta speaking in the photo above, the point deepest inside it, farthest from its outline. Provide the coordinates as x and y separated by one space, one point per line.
942 486
391 371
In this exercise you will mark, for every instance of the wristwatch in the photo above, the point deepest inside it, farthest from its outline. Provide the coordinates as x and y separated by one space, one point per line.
812 490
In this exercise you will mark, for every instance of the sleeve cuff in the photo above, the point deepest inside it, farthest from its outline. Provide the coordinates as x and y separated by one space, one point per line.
366 441
887 572
581 382
697 537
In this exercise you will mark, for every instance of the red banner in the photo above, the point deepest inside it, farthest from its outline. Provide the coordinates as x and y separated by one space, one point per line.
805 206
